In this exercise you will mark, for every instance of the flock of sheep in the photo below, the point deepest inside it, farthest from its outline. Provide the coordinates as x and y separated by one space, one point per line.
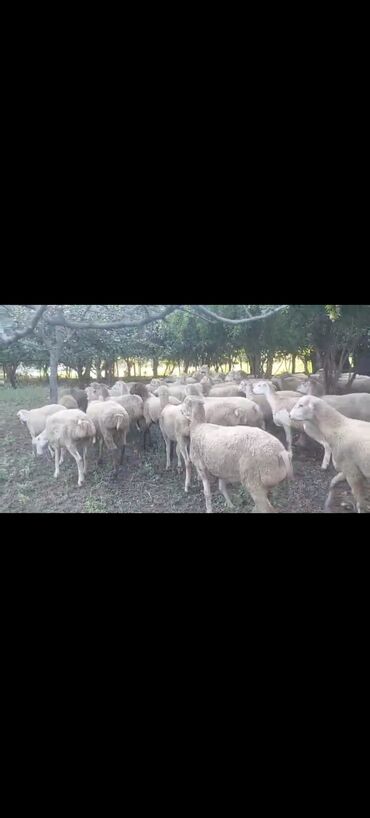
224 428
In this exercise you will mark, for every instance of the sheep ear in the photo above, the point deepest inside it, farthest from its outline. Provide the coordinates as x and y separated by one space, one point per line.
23 415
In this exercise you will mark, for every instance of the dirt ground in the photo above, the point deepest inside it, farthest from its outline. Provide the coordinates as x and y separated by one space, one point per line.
143 486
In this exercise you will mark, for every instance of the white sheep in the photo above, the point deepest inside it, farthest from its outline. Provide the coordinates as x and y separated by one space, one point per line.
175 390
35 419
349 441
112 423
97 391
119 388
246 386
134 406
355 405
289 382
67 430
281 403
151 408
68 402
175 428
224 390
239 454
233 411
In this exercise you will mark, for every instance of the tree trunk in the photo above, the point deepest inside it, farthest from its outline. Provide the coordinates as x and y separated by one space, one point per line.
186 367
139 365
255 365
53 380
269 365
294 358
10 372
128 364
155 367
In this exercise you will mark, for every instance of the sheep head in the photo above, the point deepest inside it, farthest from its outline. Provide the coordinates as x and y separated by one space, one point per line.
40 443
261 388
84 428
193 408
304 409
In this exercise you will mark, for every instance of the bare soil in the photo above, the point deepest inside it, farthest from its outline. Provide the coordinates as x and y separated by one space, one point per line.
143 485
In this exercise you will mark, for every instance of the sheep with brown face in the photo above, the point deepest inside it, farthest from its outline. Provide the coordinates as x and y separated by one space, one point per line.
151 407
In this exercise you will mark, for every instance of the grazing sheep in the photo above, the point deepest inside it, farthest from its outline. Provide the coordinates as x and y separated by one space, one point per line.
67 430
349 441
239 454
35 419
79 395
68 402
112 424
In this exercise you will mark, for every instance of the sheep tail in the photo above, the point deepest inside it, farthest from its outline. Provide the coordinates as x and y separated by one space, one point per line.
287 460
120 421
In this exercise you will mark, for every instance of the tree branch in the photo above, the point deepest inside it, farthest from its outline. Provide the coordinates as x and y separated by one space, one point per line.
121 324
6 340
241 320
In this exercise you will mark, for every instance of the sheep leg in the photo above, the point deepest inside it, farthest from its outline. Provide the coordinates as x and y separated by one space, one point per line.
147 437
206 489
262 503
356 482
123 449
168 452
178 452
223 489
288 435
63 451
185 454
315 435
100 455
339 478
85 457
76 454
57 454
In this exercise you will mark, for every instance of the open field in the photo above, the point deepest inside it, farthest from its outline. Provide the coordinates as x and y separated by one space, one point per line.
27 484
